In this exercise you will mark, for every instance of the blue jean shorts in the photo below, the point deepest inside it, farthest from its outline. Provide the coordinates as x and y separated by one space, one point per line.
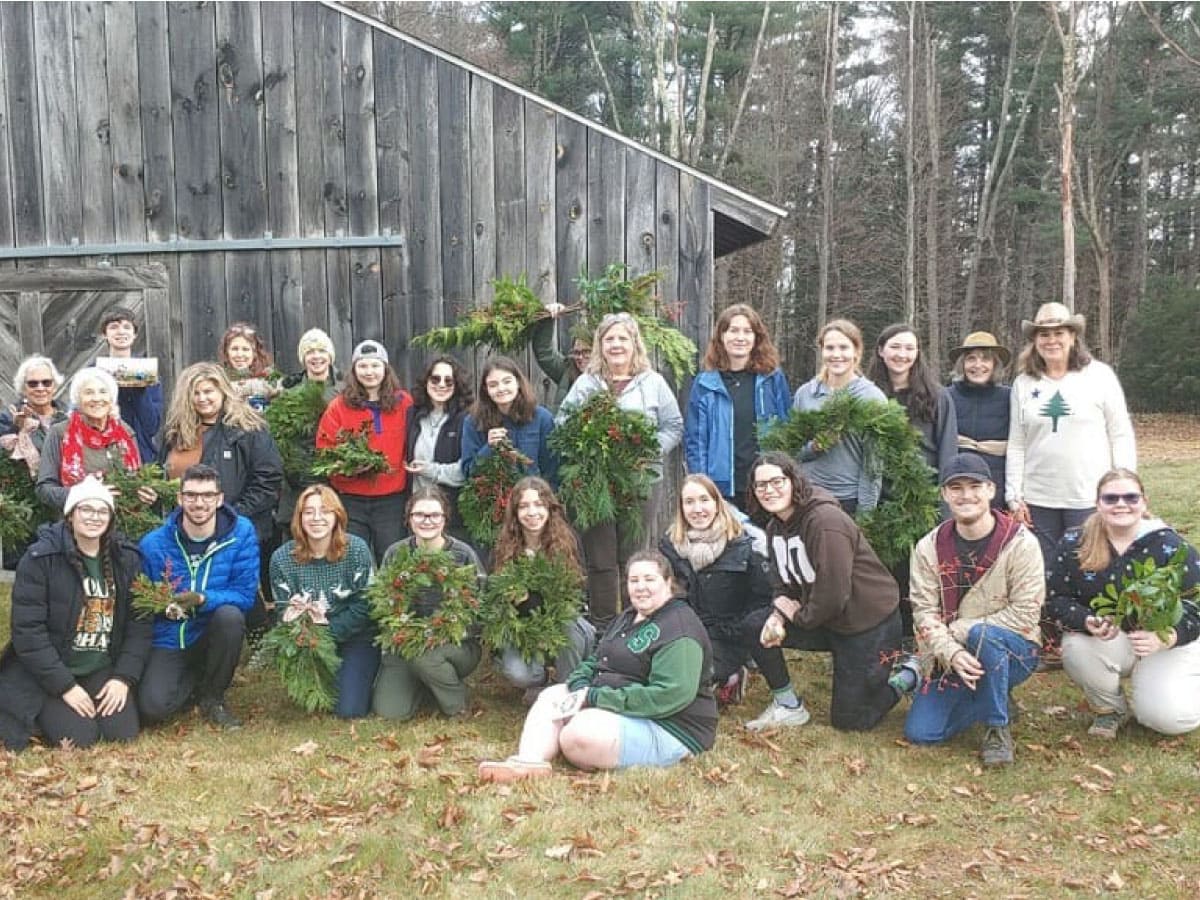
646 743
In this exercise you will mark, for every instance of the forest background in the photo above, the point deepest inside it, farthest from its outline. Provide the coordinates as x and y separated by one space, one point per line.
939 161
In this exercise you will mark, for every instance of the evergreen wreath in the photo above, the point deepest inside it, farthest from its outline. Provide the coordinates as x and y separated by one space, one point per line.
20 511
306 655
135 518
607 457
351 456
484 498
504 325
409 574
292 418
909 506
542 631
1151 597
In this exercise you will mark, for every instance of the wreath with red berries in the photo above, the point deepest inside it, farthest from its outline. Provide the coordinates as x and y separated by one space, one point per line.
409 575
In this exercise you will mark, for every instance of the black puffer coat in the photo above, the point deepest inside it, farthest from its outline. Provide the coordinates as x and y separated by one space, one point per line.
723 592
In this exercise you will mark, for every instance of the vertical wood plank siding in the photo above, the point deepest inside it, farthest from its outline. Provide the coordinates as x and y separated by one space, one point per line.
425 230
58 122
124 122
330 111
454 160
6 199
362 193
154 82
93 121
29 221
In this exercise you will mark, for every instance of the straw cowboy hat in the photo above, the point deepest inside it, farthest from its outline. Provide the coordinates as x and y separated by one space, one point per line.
981 340
1053 315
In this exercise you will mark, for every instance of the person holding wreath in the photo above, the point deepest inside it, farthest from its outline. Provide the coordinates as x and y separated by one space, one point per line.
717 568
405 683
620 364
506 410
535 525
643 698
740 388
1099 650
141 405
842 468
981 403
77 652
560 369
325 564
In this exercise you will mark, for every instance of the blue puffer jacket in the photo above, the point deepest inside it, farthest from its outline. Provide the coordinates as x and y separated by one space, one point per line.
708 431
227 574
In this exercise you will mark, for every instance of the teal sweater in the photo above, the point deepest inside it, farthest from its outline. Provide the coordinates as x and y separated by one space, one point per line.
341 584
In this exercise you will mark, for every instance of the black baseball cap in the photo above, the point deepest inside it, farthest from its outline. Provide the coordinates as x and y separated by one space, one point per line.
969 466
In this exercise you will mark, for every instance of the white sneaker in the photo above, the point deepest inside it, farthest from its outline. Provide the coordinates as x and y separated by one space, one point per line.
776 716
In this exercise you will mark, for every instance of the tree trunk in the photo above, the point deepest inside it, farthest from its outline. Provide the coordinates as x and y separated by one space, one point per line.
1066 126
932 207
828 97
910 208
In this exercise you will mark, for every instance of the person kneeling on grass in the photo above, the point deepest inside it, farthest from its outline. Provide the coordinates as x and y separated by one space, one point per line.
643 698
831 593
977 591
1164 667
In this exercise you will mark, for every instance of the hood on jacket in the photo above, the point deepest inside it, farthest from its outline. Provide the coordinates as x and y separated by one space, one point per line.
808 499
56 538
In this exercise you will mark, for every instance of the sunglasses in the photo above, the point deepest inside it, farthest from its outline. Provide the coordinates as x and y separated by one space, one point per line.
1130 499
39 383
444 380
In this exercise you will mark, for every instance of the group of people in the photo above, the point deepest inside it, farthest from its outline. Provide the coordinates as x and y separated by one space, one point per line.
1042 510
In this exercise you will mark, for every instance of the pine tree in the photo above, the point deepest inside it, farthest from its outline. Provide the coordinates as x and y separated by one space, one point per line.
1056 407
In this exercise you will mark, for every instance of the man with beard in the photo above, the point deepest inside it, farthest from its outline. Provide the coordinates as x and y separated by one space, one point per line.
978 586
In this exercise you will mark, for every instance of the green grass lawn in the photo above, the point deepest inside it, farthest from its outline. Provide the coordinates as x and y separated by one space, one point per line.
296 806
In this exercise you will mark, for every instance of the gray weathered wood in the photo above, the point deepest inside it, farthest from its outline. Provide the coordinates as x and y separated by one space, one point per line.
58 123
94 120
540 223
571 200
203 298
695 256
606 202
640 198
454 85
16 20
483 193
309 126
157 316
195 130
509 141
29 323
666 231
77 278
124 122
7 234
154 81
331 111
362 180
425 242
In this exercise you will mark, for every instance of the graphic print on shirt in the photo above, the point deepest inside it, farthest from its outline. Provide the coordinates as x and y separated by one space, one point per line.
644 637
791 560
94 630
1056 408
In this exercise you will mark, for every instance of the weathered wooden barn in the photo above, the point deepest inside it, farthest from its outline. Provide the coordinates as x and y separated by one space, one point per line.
298 165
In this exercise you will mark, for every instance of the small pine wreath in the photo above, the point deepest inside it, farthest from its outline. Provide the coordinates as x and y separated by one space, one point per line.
909 508
484 498
541 631
412 575
607 457
352 456
306 656
134 517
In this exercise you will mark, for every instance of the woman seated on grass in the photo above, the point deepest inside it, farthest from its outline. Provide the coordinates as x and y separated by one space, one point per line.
77 651
643 698
1097 652
536 523
721 575
324 562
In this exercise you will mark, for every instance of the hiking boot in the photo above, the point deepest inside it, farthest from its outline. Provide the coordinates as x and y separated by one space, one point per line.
997 747
1106 725
777 716
216 712
906 675
733 691
513 769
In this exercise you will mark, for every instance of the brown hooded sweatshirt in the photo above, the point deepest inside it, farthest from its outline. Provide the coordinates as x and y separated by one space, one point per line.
821 558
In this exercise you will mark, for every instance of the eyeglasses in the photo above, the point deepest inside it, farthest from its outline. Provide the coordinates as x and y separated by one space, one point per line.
1130 499
39 382
199 496
771 484
444 380
93 512
427 517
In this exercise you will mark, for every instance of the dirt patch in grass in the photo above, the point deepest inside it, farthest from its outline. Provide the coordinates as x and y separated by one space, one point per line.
1167 437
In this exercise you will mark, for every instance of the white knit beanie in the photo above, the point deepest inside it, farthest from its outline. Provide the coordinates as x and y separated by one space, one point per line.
315 339
91 488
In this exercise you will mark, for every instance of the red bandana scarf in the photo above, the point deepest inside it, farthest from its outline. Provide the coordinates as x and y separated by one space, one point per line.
114 438
950 566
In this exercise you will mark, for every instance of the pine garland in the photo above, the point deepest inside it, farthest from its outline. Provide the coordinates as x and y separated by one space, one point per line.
1150 598
607 457
293 418
351 456
909 508
542 631
504 325
306 657
20 511
134 517
409 575
484 498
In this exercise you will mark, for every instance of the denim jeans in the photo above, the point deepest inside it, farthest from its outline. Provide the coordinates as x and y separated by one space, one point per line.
355 678
943 706
523 673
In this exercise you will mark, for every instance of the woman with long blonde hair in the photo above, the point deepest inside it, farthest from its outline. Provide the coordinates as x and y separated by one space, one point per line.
1097 652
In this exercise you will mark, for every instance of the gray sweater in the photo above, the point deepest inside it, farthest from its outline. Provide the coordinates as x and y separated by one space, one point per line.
844 469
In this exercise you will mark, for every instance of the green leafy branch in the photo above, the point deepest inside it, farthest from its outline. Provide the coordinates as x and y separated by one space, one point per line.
1150 598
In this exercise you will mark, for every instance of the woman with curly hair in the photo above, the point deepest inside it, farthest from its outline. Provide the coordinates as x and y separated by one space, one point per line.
535 523
740 388
433 450
371 397
248 365
507 409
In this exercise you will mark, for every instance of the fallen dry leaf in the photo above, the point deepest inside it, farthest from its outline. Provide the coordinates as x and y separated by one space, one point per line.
308 748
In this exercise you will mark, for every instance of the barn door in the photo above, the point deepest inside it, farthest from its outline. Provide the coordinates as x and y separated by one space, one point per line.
56 312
